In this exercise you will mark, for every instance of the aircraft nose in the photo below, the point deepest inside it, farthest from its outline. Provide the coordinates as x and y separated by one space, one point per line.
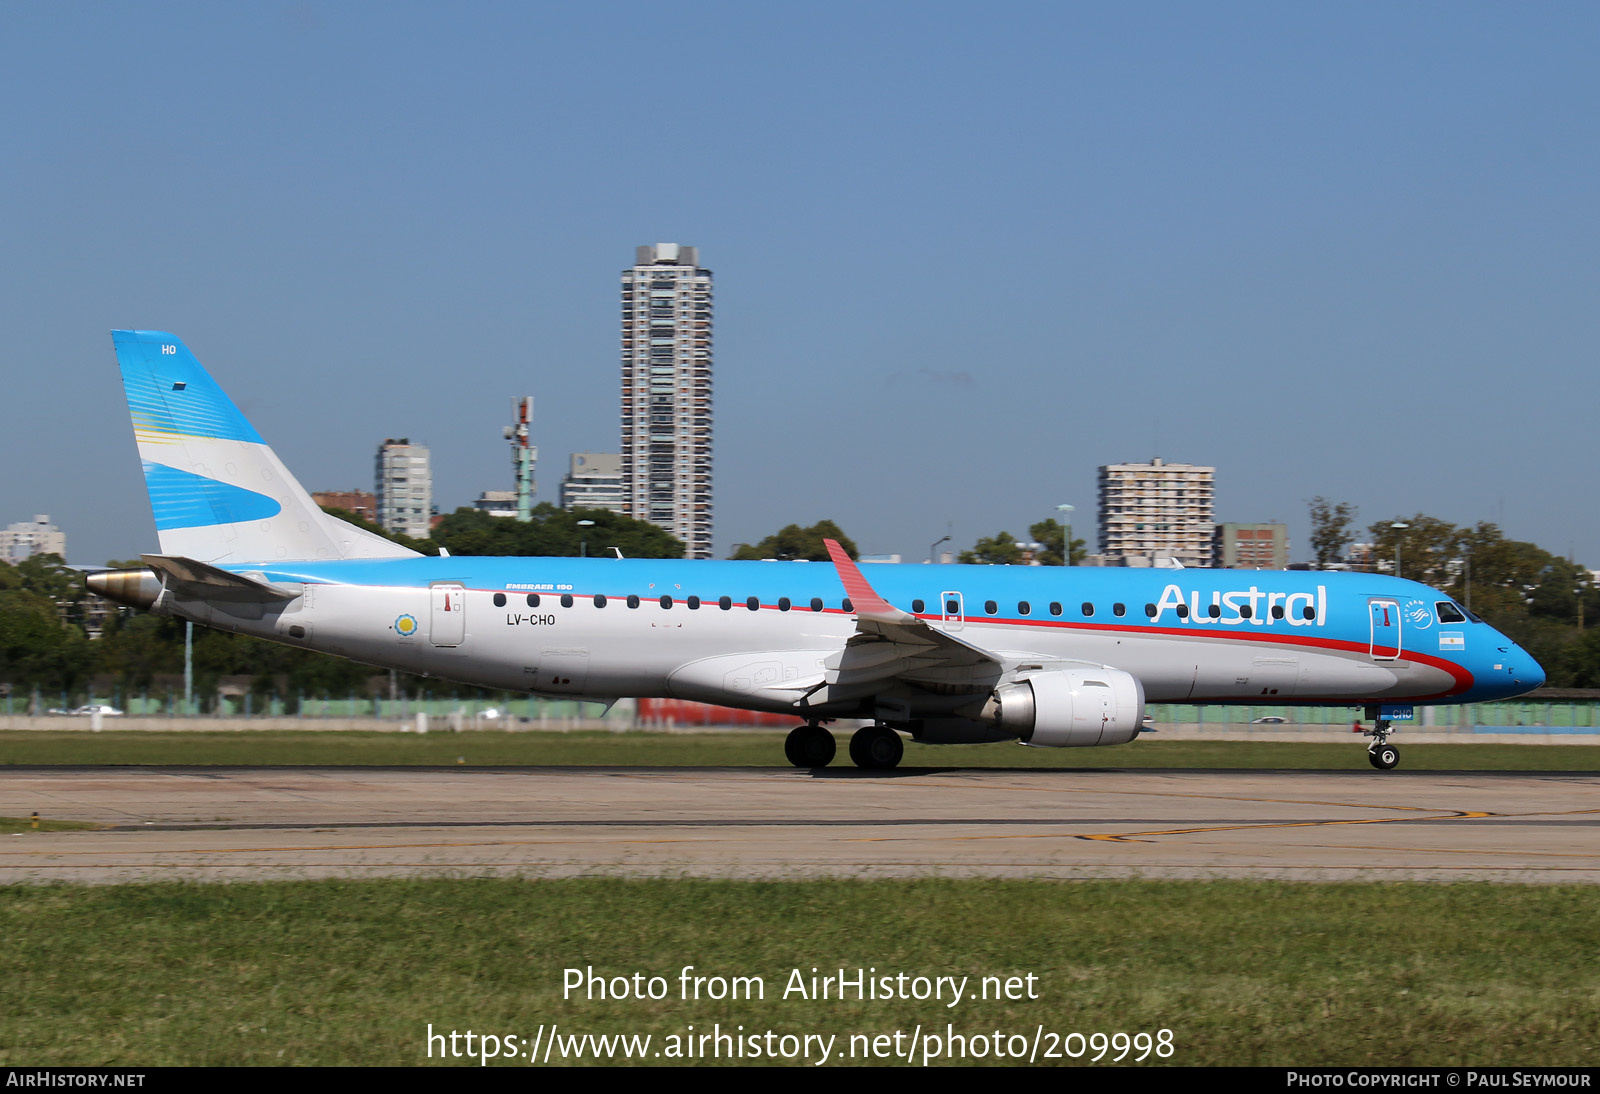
1527 672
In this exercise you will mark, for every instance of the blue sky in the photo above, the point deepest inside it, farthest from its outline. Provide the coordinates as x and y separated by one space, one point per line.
964 254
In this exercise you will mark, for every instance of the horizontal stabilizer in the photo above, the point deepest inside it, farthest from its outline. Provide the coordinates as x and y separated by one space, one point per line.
204 581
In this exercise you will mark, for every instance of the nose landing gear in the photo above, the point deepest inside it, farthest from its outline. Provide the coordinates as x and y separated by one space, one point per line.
1380 753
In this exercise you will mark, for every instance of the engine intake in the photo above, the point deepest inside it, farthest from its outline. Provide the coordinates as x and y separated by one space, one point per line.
1070 708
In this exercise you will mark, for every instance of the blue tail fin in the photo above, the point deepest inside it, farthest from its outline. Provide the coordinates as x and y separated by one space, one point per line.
218 492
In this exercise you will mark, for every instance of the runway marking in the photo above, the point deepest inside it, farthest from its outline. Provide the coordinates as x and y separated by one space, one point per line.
1465 851
1132 837
1202 869
1185 794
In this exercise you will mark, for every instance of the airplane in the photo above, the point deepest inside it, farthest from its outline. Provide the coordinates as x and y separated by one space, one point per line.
1049 656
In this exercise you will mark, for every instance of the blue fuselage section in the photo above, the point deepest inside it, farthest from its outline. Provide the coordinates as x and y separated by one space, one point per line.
1190 635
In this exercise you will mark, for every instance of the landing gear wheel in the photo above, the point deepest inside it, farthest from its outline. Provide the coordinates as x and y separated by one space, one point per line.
809 746
876 747
1380 753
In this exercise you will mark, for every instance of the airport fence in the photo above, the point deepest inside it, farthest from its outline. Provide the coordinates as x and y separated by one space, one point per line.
489 710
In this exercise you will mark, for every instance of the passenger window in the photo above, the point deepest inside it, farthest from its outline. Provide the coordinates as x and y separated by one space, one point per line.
917 606
1023 607
1215 611
952 607
1183 611
990 607
566 600
1088 609
816 603
1055 607
1244 611
633 601
533 600
1309 612
1150 611
846 605
499 600
693 603
599 600
1277 611
725 602
666 601
1119 610
783 603
754 603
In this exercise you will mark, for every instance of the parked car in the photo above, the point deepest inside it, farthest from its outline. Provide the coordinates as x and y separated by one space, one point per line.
1270 720
96 708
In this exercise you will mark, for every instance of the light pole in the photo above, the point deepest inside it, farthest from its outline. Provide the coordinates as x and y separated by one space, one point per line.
1397 528
934 546
1066 546
583 541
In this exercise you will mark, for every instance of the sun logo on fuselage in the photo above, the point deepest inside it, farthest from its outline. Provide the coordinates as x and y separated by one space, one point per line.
406 626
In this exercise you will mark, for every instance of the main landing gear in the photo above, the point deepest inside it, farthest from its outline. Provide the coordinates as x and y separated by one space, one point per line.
809 746
874 747
1380 753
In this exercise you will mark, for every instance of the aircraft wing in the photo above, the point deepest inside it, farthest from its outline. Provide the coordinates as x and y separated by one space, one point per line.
891 645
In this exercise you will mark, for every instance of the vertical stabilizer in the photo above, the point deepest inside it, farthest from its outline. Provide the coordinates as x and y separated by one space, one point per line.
218 493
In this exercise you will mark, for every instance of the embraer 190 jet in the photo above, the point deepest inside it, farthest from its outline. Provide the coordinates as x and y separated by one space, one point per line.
1049 656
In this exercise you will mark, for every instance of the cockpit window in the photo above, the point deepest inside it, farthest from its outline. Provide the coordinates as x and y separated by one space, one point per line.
1448 612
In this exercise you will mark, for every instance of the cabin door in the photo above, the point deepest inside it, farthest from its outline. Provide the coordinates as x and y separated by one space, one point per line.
1385 616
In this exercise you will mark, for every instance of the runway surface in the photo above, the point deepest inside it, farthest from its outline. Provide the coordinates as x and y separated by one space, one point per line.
253 823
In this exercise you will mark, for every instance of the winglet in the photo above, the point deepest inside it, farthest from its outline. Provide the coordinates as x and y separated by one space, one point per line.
863 597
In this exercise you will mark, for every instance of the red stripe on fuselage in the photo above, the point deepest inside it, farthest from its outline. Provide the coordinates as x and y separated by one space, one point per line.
1462 678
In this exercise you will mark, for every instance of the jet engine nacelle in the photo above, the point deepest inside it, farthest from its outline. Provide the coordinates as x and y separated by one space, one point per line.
1068 708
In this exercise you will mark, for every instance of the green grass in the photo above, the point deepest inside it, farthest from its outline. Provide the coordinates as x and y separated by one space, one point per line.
353 972
733 749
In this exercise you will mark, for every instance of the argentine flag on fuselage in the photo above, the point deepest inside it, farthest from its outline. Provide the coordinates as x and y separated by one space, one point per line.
219 494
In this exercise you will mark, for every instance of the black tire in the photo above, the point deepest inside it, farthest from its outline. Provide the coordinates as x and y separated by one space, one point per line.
809 746
877 748
1383 757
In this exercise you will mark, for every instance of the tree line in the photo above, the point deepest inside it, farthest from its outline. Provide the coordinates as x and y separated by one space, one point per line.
44 617
1546 603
